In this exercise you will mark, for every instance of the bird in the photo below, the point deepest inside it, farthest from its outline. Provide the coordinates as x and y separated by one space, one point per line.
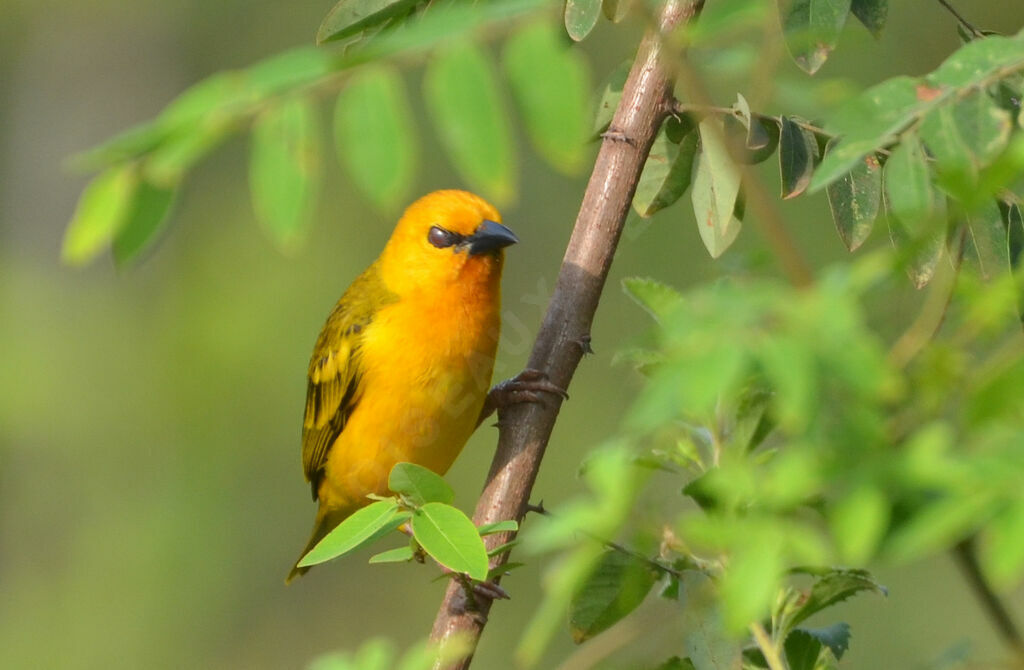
401 370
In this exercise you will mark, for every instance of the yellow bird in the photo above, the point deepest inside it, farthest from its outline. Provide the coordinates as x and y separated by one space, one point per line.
401 370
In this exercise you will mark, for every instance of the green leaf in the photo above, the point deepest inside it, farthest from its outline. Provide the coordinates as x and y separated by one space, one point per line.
657 298
979 59
1002 546
450 538
871 13
762 133
419 485
465 105
374 135
798 149
551 84
283 168
986 247
705 641
581 17
753 421
802 650
363 527
866 123
348 17
666 174
147 218
910 196
102 212
812 28
615 588
855 199
616 10
396 555
831 586
716 187
836 637
858 521
509 526
919 252
611 93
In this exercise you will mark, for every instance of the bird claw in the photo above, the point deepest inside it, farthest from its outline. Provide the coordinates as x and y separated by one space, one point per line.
530 386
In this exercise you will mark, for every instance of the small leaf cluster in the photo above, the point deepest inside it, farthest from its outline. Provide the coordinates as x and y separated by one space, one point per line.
277 101
422 503
938 157
797 439
380 654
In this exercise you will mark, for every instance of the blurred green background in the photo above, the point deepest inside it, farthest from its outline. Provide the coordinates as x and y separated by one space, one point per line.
151 496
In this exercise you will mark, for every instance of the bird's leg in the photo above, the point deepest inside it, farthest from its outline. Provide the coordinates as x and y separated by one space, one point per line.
528 386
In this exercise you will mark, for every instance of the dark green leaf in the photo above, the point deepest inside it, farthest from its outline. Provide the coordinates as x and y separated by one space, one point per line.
753 422
374 135
396 555
855 199
348 17
833 585
451 539
1013 217
418 485
144 222
871 13
363 527
102 211
283 169
657 298
611 93
615 588
553 104
920 252
716 187
812 28
836 637
466 107
666 174
581 17
798 150
758 136
509 526
802 650
705 641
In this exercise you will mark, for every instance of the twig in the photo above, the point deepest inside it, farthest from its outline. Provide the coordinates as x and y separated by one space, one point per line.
994 607
767 647
525 429
959 17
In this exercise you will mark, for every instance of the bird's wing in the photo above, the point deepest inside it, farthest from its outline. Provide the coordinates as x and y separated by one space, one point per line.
334 371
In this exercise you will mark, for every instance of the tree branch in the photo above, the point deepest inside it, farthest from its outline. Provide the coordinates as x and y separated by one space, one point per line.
992 604
564 333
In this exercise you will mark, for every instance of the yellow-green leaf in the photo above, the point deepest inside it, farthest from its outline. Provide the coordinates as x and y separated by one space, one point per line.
102 211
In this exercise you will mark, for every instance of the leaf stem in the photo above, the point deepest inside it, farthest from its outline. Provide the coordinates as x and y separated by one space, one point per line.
960 19
992 604
767 647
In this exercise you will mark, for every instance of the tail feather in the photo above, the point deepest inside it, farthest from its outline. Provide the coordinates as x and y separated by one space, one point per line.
325 523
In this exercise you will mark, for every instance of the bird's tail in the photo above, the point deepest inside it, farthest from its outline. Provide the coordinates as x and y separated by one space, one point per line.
325 523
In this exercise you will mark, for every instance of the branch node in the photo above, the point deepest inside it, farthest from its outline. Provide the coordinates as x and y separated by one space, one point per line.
615 135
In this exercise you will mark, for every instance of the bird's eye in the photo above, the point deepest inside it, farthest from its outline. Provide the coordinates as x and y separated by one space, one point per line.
441 238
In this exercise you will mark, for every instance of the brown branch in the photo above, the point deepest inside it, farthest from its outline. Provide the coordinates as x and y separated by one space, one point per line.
993 606
562 340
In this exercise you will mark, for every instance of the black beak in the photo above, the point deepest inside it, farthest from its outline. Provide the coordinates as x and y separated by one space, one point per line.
490 236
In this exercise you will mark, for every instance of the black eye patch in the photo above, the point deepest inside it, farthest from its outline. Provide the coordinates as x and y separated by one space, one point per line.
441 238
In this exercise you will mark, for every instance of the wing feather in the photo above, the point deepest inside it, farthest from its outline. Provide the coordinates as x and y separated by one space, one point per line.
334 380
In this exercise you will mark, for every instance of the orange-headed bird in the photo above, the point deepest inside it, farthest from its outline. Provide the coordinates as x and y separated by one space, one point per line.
401 370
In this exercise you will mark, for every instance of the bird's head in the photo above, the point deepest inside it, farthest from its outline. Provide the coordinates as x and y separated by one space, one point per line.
444 237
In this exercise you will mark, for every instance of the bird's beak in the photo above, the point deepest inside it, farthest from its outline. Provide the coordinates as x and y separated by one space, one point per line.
490 236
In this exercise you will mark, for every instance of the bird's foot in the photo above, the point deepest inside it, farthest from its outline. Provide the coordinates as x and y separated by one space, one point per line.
530 385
